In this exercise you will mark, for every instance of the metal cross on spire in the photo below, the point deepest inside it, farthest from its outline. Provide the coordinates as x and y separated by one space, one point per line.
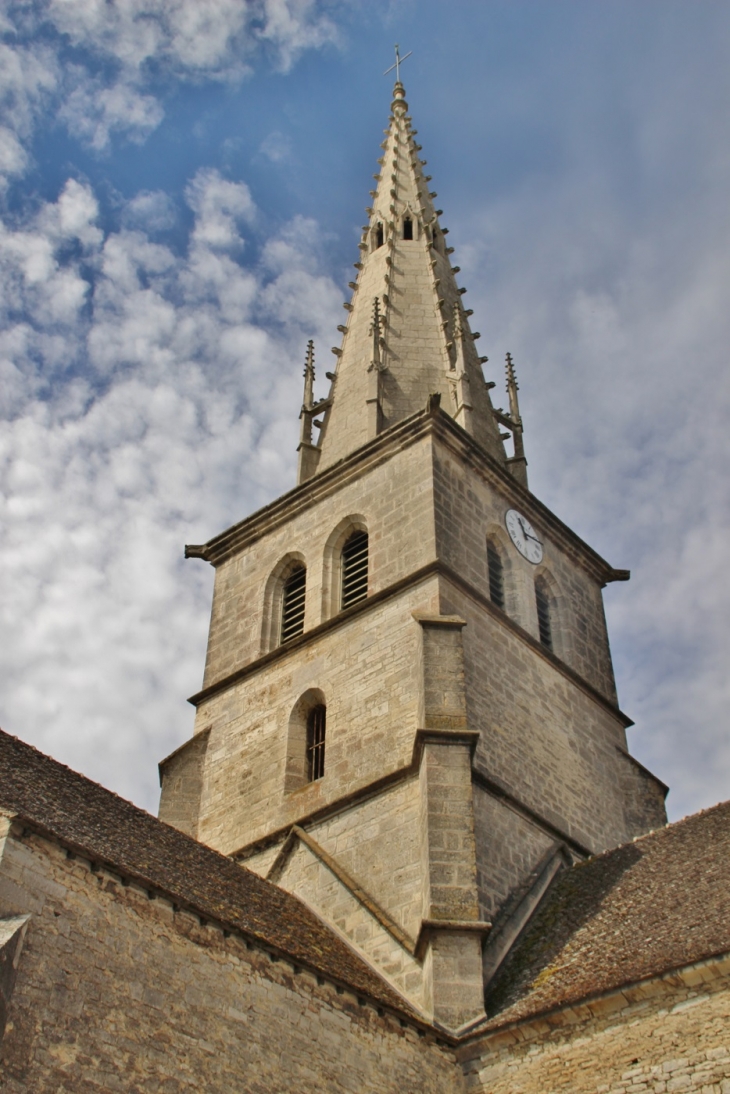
398 62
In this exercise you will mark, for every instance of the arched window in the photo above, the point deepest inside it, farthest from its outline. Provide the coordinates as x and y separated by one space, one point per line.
316 729
292 603
306 741
408 228
354 569
379 236
495 573
544 621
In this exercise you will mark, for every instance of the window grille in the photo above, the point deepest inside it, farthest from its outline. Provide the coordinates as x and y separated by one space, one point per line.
543 617
355 569
292 606
408 228
316 727
496 576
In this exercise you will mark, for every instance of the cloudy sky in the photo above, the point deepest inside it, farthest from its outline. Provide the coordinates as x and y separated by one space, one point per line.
182 186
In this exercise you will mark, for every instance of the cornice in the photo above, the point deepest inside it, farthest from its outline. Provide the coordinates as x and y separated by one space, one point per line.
312 491
373 789
431 569
432 421
464 446
334 623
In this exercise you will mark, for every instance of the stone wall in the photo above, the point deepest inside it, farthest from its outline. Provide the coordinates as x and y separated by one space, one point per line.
392 500
309 878
116 991
468 509
508 849
654 1038
182 775
372 704
548 741
377 842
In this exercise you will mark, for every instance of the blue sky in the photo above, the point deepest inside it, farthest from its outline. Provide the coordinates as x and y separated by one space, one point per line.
183 185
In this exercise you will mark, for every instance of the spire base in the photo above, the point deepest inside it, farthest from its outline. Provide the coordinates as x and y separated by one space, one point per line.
308 461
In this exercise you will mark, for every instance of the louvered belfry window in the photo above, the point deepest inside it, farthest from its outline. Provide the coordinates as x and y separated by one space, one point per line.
496 575
355 569
316 727
292 604
543 616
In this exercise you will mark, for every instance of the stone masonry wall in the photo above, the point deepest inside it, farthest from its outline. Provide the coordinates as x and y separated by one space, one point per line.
117 992
468 509
542 737
377 842
393 500
310 879
183 777
372 703
654 1038
508 848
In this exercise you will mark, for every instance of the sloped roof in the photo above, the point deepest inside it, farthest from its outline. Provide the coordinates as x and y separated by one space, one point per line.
659 903
110 830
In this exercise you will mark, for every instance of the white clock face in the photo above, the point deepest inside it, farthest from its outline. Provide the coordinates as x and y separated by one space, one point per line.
523 536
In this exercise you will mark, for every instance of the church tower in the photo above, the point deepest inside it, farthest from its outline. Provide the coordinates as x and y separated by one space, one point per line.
408 716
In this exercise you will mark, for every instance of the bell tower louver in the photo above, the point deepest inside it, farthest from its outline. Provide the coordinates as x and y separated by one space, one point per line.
408 715
407 334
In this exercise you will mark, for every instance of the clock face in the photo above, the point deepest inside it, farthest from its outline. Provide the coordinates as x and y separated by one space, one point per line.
523 536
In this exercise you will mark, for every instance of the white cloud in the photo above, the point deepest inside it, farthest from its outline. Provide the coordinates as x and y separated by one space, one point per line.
125 54
219 205
292 26
276 147
151 210
93 111
13 157
28 78
178 416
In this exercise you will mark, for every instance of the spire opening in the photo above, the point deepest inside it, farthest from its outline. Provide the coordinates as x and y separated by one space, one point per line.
407 228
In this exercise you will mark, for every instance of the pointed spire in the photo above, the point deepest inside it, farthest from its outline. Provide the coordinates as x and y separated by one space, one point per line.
374 373
516 463
406 290
309 377
512 389
309 452
460 383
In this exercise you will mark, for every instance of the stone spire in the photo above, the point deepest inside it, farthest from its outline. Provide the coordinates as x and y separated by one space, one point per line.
516 463
407 335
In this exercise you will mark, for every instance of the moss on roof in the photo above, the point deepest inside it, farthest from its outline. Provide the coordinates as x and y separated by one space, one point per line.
659 903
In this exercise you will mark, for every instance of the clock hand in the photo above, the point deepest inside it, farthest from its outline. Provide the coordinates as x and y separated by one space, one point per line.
525 533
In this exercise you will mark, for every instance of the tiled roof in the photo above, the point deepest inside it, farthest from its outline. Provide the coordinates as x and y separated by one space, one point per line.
659 903
112 831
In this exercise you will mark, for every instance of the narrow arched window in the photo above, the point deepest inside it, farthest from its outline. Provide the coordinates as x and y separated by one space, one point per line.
354 569
544 622
292 603
379 236
316 729
408 228
495 572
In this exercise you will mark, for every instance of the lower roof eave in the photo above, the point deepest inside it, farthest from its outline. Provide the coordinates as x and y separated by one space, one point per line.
574 1010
